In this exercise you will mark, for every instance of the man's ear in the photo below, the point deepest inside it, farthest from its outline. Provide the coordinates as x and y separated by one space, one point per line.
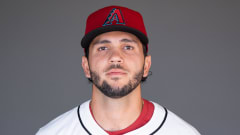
85 66
147 65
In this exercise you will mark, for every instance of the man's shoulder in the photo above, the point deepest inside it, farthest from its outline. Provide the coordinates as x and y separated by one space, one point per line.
173 124
63 124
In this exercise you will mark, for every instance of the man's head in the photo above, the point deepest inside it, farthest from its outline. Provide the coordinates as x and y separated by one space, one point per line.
115 45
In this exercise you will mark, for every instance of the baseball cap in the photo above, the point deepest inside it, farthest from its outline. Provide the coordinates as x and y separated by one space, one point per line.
114 18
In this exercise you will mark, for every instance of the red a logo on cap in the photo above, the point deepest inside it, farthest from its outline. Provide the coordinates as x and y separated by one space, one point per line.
114 16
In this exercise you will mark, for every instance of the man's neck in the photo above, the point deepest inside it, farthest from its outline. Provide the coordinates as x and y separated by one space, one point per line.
116 114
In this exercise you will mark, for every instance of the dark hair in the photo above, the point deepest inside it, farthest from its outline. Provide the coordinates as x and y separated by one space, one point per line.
144 53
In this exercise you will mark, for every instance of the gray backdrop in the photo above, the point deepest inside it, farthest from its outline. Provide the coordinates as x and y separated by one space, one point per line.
195 60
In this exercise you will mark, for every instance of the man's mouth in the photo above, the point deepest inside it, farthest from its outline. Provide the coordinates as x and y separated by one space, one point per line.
116 72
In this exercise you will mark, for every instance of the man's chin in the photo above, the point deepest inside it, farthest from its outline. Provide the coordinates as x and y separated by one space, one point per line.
116 87
117 81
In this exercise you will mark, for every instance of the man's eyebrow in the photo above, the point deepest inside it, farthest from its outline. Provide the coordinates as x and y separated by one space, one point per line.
101 42
128 40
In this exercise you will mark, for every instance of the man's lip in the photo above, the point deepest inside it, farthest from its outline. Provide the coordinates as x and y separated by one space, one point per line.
116 72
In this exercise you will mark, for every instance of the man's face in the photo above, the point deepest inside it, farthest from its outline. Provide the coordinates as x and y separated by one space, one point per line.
116 63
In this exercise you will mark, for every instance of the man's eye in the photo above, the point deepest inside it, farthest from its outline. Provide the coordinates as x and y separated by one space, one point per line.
102 48
128 47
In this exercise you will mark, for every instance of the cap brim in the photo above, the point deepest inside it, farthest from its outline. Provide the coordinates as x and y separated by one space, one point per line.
87 39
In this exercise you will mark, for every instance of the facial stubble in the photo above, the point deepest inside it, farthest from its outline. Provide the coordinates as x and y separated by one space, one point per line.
116 92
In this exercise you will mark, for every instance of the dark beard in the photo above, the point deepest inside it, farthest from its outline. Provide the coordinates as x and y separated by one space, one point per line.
111 92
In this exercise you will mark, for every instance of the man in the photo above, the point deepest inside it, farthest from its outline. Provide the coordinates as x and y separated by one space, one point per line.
116 62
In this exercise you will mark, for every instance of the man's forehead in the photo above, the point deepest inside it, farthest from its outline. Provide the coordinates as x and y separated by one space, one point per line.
116 36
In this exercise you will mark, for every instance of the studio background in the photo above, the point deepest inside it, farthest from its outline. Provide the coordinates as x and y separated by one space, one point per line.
195 60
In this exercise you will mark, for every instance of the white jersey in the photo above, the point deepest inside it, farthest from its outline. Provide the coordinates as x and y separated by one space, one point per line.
79 121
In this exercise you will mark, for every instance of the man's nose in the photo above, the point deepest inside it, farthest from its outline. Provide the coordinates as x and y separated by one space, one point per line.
116 57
